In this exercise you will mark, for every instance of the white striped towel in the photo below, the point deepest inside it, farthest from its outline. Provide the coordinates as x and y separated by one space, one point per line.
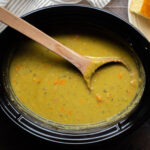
20 7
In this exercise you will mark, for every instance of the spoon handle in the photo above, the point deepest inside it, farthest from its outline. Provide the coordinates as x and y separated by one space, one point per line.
35 34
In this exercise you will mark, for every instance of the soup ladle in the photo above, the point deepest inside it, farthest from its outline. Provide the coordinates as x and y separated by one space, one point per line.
86 65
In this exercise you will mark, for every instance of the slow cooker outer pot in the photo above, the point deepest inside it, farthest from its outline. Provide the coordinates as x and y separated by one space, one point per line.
102 20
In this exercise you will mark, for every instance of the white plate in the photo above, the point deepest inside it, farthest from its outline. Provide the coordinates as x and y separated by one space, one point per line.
139 22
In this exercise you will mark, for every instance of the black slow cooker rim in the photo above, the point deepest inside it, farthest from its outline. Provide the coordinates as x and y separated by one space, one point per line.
59 137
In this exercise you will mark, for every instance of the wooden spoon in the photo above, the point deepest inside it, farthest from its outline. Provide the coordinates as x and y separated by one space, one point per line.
86 65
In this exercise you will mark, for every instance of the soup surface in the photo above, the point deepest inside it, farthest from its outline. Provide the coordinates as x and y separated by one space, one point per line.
51 87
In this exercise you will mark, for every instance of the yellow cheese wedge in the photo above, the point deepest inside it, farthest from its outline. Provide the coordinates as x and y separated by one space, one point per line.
141 7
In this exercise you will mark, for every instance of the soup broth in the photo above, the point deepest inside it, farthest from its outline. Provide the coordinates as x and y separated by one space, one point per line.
54 89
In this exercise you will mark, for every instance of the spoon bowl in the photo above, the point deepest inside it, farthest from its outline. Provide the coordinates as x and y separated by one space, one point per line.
97 62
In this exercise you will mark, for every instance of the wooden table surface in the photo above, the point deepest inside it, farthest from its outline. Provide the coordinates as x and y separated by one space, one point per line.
118 7
14 138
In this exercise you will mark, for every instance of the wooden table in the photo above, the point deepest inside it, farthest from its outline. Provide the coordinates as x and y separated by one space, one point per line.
14 138
118 7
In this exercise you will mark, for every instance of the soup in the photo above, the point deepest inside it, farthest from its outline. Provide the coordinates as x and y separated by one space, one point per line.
54 89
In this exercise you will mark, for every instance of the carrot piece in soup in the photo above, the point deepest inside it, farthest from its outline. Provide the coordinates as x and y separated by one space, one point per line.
82 101
70 112
99 99
62 110
120 75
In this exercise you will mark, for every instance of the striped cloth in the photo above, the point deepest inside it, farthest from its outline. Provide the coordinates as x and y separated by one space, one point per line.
99 3
20 7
